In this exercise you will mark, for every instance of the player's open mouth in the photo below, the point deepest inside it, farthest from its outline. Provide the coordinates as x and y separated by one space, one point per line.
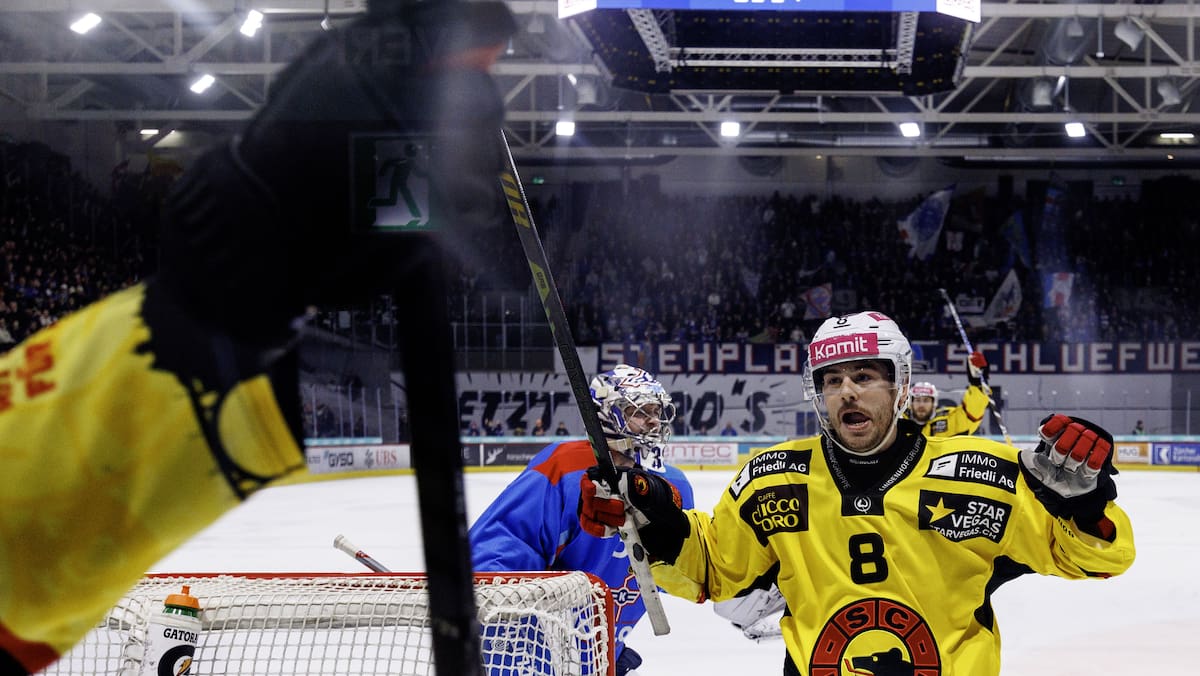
855 420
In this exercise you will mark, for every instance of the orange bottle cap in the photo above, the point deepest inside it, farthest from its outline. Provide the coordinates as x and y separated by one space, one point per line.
184 599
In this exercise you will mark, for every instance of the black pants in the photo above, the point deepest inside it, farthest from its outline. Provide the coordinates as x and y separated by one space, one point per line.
789 667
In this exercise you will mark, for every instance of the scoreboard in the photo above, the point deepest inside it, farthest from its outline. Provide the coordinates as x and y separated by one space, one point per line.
963 9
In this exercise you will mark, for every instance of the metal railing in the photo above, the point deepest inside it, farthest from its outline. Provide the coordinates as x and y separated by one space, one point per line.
334 413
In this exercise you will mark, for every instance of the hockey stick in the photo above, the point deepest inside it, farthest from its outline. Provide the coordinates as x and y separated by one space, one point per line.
428 346
514 194
342 544
987 389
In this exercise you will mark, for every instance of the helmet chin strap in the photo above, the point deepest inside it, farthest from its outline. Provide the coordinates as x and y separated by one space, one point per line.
622 445
638 453
886 441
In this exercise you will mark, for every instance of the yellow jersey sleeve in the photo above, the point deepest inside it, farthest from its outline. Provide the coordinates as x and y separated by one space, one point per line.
962 419
111 460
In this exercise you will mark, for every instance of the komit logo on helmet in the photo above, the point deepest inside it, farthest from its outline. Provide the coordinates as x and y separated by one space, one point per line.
841 347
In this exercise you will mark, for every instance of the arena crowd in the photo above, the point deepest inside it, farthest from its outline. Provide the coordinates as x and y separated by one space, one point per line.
634 264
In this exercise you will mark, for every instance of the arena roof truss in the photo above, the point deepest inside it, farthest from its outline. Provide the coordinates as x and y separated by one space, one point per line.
646 83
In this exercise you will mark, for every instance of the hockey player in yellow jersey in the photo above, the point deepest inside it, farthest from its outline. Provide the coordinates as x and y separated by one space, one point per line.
133 424
887 544
756 611
951 420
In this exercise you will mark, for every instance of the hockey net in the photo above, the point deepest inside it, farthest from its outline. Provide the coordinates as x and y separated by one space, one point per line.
371 623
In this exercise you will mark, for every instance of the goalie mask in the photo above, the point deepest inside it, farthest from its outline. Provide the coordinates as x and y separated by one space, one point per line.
857 337
635 412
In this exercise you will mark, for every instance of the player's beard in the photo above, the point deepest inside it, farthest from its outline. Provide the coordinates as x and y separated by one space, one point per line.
871 438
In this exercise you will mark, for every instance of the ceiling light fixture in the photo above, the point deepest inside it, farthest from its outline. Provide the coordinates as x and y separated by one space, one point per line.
1073 129
731 129
1074 28
1168 91
86 23
1042 95
253 22
1177 136
1128 32
910 129
202 83
564 128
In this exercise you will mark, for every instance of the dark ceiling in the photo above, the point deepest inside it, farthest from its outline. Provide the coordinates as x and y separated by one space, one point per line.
642 84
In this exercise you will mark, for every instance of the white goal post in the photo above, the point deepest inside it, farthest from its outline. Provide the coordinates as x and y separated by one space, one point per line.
535 623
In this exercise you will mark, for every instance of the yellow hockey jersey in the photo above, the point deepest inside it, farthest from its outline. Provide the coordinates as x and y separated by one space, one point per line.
898 574
111 460
965 418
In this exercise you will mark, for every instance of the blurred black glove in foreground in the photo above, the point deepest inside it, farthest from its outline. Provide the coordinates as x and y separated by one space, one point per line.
383 128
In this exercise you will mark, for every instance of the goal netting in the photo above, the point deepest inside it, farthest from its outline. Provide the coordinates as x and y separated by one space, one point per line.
532 624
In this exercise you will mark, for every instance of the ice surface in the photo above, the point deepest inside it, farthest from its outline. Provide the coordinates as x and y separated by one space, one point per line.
1145 621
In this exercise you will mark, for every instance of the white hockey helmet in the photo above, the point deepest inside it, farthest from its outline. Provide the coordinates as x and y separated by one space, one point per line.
621 393
924 389
855 337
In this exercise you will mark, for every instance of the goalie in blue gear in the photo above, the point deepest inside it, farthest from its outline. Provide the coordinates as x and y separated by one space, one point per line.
534 523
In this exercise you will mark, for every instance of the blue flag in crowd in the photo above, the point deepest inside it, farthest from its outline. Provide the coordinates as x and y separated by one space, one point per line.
1051 236
818 301
921 229
1014 231
1056 287
1006 302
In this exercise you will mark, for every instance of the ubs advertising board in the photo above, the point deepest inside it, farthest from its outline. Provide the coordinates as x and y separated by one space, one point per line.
352 458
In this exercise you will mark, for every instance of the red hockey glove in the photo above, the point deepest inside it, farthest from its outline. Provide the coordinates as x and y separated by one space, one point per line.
1071 471
600 512
977 368
653 504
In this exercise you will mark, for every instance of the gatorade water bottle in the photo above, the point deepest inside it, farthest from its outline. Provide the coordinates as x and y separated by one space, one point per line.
171 636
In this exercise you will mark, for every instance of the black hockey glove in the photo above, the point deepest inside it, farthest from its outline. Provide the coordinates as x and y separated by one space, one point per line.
382 134
653 504
1071 471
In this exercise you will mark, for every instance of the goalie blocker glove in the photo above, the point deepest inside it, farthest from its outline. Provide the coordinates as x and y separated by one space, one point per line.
1071 471
654 504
